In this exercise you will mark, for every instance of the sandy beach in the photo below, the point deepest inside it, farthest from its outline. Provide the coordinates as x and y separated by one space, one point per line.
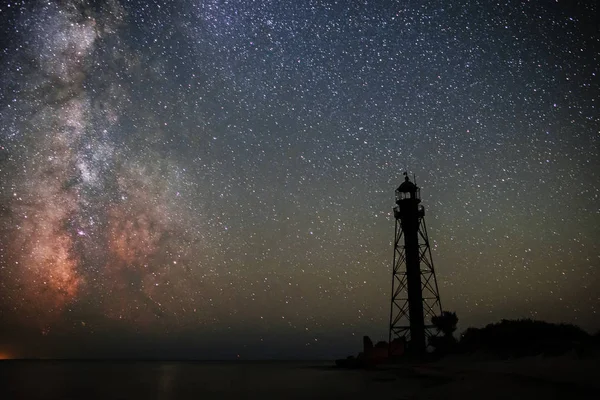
475 377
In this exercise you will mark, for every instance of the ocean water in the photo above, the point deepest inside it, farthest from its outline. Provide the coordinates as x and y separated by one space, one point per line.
187 380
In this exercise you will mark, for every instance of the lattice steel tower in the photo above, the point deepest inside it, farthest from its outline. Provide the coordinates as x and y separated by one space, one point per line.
415 295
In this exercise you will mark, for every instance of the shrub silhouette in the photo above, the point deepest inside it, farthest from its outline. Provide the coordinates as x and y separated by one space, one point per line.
526 337
446 324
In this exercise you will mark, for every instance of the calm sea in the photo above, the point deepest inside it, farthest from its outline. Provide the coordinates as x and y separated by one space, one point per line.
187 380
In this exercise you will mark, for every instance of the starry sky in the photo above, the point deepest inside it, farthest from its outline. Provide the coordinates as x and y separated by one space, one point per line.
214 178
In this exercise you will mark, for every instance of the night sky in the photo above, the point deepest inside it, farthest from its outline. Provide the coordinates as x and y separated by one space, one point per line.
216 178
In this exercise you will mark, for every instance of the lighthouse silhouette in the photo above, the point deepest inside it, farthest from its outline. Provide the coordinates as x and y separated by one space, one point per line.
415 295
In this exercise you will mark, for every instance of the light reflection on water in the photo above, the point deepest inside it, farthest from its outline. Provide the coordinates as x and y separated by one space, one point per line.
168 375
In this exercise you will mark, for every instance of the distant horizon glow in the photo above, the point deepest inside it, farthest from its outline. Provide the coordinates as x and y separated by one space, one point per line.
216 178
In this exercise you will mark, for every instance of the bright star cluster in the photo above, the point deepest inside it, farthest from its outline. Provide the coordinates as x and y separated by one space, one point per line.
224 170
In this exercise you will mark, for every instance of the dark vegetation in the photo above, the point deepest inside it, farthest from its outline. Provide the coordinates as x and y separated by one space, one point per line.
446 325
514 338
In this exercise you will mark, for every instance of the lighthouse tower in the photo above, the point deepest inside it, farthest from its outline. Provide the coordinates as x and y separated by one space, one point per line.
415 295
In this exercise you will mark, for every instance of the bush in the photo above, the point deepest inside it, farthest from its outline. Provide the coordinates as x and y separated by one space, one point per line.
446 324
519 338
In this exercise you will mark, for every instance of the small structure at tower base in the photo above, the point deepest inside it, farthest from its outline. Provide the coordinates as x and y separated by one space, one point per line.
373 355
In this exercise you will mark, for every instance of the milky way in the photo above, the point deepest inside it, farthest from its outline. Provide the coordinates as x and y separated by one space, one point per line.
212 167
